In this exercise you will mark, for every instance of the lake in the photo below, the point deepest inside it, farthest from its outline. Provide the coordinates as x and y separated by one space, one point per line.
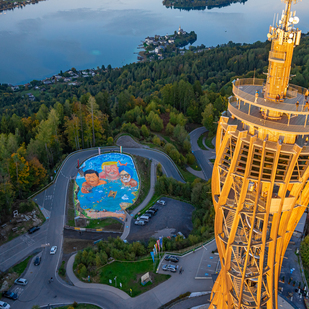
39 40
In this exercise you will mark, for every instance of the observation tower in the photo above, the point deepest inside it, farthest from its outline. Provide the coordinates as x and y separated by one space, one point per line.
260 183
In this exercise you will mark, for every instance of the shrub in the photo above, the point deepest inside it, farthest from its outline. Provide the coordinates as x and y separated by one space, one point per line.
110 141
156 140
156 123
145 131
62 269
190 158
83 271
186 145
169 129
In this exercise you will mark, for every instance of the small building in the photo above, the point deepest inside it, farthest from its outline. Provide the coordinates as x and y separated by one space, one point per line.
181 31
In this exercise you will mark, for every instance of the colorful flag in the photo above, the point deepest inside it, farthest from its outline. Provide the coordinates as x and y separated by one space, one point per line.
155 249
158 244
161 242
152 255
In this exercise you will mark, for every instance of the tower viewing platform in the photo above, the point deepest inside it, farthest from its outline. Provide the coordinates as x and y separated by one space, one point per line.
286 115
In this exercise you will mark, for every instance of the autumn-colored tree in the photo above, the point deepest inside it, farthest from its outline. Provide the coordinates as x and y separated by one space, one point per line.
19 172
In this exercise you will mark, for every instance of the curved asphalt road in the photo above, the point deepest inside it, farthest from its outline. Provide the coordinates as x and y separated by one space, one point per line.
53 200
202 156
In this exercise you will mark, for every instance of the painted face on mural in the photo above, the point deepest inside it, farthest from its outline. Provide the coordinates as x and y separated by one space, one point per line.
91 180
125 177
112 172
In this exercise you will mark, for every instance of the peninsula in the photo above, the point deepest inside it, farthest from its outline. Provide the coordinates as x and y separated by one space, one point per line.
160 47
199 4
6 5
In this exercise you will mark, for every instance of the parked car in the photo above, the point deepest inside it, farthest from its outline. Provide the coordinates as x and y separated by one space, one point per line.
139 222
4 305
179 233
37 261
153 208
53 250
165 267
147 214
144 218
171 258
150 211
174 259
161 202
172 268
33 229
21 281
10 294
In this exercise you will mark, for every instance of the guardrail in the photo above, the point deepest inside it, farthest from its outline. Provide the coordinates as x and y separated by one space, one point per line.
153 149
64 161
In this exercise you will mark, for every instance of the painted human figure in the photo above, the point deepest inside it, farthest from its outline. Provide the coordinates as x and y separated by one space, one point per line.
92 180
110 171
126 177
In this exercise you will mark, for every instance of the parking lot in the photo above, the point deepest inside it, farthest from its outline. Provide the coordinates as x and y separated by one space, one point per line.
206 263
170 219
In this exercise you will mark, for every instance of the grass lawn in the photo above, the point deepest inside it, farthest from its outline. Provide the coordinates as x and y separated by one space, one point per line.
97 223
208 142
187 175
195 166
20 268
129 274
200 142
80 306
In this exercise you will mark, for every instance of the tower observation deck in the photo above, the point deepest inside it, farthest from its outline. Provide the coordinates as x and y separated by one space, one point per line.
260 183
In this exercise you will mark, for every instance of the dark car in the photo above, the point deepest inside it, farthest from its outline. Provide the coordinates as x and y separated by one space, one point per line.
174 259
154 209
33 229
171 258
150 211
37 261
9 294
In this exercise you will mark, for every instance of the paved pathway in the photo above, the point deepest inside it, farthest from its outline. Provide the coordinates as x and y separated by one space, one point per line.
166 291
128 141
130 218
199 174
202 156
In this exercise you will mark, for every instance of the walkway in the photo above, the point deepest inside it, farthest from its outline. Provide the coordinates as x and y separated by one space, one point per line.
202 156
130 218
166 291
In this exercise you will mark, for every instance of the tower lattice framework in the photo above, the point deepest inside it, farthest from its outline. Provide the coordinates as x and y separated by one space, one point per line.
260 183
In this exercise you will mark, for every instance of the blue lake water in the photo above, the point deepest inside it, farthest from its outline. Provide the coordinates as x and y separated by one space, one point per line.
40 40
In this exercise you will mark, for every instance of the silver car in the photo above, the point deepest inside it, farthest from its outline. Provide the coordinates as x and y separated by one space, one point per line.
139 222
53 250
21 281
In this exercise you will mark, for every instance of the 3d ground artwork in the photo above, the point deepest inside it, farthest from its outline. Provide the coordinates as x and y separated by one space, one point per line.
105 186
260 178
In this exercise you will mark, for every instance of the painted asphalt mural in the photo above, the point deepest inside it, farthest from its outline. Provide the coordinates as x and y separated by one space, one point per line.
105 186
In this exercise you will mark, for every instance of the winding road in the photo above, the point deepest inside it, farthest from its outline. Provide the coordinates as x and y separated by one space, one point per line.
52 202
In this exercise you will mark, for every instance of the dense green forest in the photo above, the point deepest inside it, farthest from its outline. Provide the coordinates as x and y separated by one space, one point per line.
143 99
199 4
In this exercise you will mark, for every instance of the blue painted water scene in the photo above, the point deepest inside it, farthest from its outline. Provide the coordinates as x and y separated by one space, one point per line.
106 185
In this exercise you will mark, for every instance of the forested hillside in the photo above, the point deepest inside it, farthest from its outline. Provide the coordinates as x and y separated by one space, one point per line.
159 97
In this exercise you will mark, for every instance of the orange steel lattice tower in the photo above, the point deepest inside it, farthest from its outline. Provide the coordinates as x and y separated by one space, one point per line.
260 182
